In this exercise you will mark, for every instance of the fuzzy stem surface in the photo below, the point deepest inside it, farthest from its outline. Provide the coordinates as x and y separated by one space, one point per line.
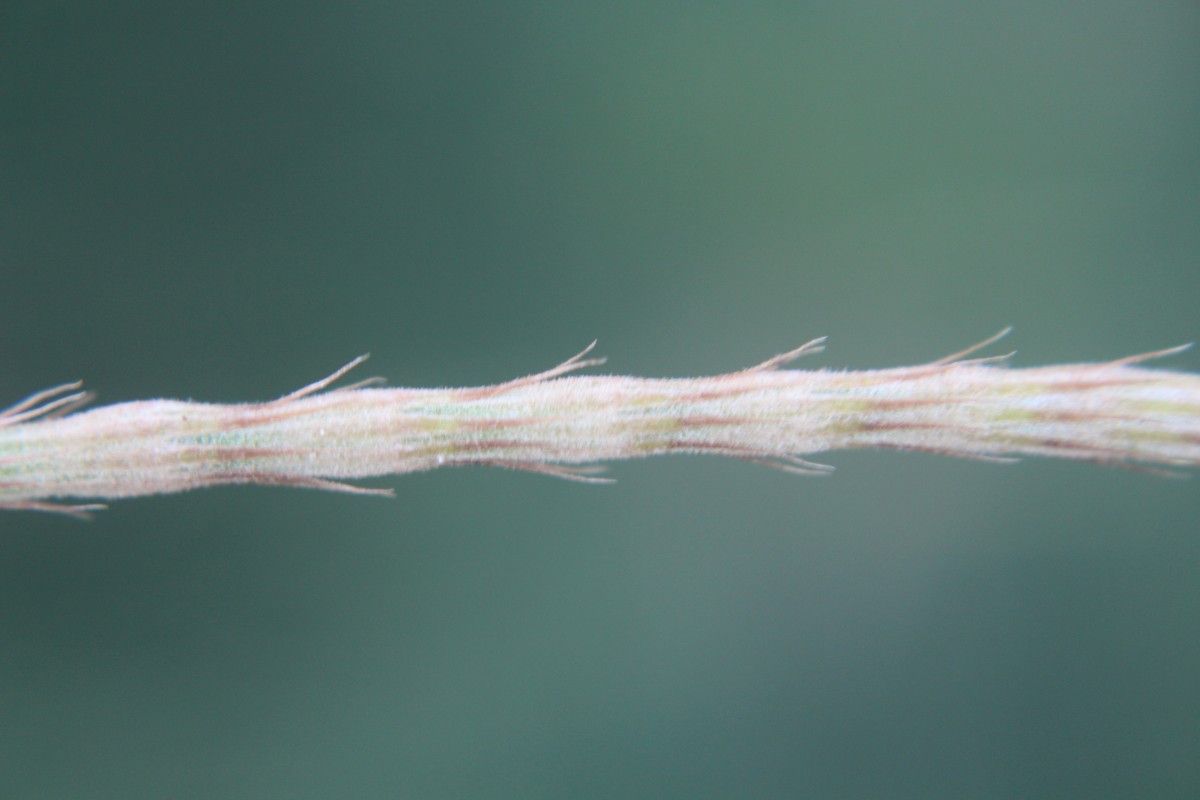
1115 413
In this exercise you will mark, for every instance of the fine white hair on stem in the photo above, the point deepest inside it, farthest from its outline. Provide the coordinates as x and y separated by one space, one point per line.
556 423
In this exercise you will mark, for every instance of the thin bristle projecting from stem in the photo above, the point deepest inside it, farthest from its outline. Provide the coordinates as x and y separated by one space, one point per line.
555 423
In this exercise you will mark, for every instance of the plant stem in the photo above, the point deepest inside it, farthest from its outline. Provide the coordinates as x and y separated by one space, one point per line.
1115 413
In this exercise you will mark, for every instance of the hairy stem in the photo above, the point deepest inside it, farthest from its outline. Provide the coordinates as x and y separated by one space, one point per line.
1115 412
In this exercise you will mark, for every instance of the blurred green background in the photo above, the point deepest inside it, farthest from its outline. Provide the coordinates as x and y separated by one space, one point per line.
225 201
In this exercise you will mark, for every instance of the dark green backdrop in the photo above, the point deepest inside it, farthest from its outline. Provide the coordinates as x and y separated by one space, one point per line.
229 200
